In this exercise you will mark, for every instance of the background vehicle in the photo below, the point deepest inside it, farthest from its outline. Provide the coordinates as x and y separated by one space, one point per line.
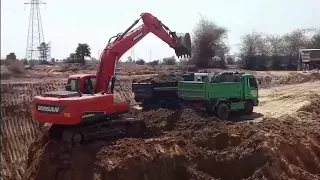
86 110
309 59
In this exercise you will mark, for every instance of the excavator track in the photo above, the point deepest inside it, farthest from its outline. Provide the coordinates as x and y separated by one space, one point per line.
82 133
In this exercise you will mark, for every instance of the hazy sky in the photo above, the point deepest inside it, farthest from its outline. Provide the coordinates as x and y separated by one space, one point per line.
69 22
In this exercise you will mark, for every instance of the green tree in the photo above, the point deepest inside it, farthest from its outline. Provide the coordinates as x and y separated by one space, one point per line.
140 61
315 41
11 56
154 63
25 61
169 60
82 51
129 59
71 58
253 45
43 51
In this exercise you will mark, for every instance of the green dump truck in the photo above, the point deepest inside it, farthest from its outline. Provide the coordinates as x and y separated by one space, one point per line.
221 93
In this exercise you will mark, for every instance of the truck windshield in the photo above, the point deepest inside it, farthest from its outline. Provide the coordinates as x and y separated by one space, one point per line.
253 83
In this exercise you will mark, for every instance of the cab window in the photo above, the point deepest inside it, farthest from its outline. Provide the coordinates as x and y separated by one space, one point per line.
89 83
93 82
73 84
253 83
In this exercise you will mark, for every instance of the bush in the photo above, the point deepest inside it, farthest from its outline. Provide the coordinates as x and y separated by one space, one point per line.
170 61
154 63
16 66
140 62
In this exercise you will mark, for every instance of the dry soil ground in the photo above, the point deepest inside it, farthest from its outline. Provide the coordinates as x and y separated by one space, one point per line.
278 101
280 141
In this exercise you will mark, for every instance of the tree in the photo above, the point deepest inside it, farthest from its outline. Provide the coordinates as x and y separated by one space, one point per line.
315 41
230 60
129 59
82 51
70 59
297 39
277 49
140 61
43 51
294 41
169 60
251 45
11 56
209 41
25 61
154 63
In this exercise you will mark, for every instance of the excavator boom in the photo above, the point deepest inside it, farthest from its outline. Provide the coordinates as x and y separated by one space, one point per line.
126 40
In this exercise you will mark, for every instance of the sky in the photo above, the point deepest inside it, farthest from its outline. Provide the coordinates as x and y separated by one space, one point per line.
69 22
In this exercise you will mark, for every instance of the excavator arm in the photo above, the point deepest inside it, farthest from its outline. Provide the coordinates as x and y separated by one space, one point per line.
181 43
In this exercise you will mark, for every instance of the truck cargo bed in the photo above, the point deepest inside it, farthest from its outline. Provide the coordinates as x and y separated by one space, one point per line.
203 90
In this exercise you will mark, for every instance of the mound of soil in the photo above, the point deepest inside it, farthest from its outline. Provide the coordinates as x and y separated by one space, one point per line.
292 78
182 145
311 111
163 78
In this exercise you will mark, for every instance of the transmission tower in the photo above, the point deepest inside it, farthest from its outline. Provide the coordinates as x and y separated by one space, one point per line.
35 31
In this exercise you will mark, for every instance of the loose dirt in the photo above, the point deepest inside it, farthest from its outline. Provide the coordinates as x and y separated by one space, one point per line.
162 77
185 146
178 145
278 101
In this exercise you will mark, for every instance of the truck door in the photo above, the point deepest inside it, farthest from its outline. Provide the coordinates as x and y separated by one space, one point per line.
251 89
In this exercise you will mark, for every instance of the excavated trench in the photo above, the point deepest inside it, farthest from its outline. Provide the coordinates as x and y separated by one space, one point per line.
182 145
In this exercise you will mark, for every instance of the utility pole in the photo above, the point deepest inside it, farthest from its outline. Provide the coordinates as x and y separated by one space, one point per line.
132 54
35 31
150 54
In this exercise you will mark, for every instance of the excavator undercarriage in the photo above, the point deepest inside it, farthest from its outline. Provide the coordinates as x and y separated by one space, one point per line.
112 128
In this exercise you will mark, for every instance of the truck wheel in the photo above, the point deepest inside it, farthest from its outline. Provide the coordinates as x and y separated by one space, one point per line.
222 111
248 107
164 104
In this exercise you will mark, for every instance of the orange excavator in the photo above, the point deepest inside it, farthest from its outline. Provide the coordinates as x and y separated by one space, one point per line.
86 110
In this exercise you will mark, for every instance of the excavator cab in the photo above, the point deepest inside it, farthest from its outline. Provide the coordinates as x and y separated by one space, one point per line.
83 83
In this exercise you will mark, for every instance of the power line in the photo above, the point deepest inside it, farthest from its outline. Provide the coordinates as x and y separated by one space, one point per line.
35 31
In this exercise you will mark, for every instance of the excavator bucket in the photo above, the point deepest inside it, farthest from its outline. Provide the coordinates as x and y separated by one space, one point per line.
184 45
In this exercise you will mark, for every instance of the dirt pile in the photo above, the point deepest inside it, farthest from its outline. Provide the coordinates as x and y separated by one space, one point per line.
13 68
162 78
311 111
182 145
292 78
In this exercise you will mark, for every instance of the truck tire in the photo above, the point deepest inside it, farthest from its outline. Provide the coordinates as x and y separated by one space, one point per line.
222 111
164 104
248 107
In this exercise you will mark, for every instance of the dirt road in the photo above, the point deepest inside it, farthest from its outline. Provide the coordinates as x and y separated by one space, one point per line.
278 101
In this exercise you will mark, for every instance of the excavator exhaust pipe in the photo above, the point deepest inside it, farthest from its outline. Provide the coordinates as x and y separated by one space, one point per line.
184 45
